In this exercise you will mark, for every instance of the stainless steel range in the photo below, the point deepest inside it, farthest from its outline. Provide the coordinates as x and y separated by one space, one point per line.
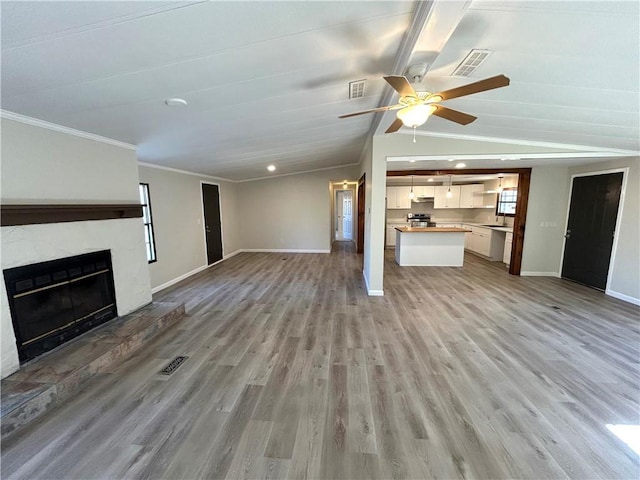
420 220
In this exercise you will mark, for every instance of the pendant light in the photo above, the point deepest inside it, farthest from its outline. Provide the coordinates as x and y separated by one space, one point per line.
411 194
500 185
449 194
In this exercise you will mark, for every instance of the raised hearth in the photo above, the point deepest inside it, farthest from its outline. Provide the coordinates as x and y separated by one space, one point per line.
42 383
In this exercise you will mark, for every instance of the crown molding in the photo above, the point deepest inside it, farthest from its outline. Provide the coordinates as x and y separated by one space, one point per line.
62 129
297 173
184 172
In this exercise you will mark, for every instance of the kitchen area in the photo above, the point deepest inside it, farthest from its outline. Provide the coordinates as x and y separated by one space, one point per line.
433 220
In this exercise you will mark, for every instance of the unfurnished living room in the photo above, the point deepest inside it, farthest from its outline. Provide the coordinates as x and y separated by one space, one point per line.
323 240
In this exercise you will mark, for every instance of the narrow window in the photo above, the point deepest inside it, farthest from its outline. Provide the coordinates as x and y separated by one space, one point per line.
507 202
149 238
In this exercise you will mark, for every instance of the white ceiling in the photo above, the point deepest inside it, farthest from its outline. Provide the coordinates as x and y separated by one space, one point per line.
266 81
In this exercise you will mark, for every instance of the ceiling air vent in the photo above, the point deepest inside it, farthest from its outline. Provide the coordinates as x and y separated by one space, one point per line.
470 63
356 89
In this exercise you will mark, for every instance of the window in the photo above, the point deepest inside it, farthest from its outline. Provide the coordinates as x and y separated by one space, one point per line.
149 239
507 202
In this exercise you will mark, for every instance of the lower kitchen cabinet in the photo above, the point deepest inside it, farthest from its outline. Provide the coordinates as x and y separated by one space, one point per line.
485 242
508 243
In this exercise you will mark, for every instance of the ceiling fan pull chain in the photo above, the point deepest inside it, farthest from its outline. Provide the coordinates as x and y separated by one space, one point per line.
414 134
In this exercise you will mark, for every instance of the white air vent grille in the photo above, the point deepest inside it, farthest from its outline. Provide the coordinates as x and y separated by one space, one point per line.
470 63
357 88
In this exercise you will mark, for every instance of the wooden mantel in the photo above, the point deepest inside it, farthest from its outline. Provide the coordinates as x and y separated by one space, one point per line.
29 214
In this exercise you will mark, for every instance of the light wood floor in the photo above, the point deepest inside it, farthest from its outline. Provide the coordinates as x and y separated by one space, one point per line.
294 372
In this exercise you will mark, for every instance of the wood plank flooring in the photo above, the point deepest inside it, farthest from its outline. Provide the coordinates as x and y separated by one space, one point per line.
294 372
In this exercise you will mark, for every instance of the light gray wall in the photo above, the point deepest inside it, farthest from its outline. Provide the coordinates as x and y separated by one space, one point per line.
40 165
45 166
176 203
546 213
289 212
625 274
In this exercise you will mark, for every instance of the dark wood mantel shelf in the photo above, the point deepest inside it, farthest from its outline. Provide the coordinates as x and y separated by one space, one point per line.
11 215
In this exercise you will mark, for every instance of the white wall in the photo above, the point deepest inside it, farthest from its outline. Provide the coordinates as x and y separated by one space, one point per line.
290 212
544 229
176 203
40 165
366 169
624 281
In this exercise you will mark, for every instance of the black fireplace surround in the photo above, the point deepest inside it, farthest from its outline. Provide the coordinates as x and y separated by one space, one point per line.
53 302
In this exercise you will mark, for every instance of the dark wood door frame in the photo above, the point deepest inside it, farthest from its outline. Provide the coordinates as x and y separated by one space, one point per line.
361 207
520 218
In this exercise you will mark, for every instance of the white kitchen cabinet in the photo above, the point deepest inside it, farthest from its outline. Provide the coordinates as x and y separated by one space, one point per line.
486 242
471 196
391 236
448 224
508 243
441 200
391 233
398 197
424 191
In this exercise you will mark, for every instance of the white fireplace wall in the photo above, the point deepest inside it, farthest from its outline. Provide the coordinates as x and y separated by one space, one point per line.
42 164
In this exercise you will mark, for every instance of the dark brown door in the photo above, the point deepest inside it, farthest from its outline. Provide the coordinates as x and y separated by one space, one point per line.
212 223
361 188
590 229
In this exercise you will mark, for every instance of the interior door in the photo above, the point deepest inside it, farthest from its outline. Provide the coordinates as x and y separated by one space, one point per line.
212 223
590 229
347 214
339 214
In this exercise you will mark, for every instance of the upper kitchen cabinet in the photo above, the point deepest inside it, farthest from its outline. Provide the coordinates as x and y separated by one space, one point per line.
398 197
441 199
471 196
424 191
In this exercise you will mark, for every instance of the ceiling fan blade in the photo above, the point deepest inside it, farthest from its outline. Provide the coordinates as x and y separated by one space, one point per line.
379 109
401 85
394 127
453 115
476 87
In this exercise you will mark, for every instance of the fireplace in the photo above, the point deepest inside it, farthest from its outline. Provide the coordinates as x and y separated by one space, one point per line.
55 301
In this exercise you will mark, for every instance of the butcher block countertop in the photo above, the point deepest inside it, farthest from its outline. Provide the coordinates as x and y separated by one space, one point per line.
431 229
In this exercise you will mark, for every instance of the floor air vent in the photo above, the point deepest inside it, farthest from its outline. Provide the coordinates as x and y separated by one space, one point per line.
173 365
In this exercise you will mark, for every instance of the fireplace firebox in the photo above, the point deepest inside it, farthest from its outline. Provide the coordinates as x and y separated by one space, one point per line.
53 302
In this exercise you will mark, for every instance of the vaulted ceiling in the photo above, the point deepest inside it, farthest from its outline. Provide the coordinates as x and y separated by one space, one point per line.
266 81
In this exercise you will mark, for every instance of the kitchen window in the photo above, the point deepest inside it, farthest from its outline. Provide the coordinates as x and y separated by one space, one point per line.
149 238
507 202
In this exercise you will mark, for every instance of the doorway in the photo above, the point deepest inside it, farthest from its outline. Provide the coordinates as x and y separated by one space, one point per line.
591 228
212 222
344 215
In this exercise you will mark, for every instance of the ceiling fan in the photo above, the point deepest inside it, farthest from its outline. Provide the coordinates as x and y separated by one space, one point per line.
414 108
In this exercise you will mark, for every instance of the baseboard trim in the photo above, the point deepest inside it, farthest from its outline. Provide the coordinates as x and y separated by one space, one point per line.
540 274
623 297
283 250
178 279
372 293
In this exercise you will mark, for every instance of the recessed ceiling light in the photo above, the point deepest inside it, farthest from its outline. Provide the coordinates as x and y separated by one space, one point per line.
451 159
504 159
461 165
412 161
271 168
430 180
175 102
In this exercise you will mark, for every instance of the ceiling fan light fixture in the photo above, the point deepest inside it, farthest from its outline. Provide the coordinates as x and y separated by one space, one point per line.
415 115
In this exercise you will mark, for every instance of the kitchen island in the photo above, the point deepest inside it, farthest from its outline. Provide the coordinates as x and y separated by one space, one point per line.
430 246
